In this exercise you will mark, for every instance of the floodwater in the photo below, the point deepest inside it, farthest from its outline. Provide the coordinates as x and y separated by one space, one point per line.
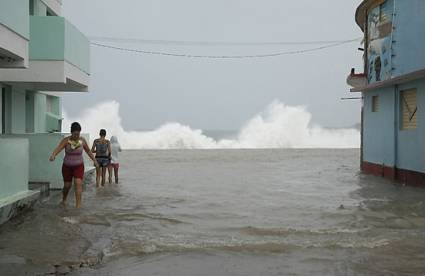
226 212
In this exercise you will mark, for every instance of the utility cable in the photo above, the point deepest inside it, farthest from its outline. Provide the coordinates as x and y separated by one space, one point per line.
208 43
293 52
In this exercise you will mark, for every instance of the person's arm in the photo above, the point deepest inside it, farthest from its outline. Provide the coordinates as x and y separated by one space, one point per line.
58 149
89 153
119 148
109 149
93 148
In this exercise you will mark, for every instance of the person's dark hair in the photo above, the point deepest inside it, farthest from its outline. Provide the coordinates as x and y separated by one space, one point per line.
102 132
75 126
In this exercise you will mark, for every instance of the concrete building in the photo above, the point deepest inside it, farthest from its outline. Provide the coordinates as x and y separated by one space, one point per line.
41 55
393 88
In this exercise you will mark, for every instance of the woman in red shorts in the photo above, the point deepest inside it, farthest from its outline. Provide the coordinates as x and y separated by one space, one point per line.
73 163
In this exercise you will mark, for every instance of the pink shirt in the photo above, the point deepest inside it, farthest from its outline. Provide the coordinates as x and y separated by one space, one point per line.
73 157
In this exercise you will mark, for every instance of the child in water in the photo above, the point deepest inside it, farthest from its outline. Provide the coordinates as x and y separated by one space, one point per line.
115 148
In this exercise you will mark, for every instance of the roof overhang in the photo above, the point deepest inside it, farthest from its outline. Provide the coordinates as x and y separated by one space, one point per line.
420 74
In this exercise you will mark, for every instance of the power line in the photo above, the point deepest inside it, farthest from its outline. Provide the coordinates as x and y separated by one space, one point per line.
293 52
209 43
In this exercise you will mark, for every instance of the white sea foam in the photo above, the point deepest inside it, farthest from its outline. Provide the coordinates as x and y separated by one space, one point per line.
279 126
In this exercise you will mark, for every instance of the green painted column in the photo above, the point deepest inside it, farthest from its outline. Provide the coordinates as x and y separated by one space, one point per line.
18 111
40 107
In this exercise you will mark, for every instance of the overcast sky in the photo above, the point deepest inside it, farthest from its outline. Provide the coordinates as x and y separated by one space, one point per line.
218 94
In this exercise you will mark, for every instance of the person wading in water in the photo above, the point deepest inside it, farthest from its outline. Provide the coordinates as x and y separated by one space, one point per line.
73 163
102 148
115 165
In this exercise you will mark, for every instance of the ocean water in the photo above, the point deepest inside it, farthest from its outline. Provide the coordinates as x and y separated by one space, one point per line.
226 212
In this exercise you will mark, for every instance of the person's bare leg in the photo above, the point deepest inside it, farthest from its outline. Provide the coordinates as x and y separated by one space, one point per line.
98 175
65 191
116 175
103 175
78 192
110 174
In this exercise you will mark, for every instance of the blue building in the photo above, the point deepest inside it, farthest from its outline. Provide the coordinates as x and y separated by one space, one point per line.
393 89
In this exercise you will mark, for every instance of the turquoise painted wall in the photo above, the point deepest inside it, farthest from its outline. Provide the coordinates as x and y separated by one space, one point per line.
77 48
384 142
14 168
380 22
378 137
411 143
395 43
40 113
53 38
40 148
47 38
14 14
53 114
409 37
18 110
29 112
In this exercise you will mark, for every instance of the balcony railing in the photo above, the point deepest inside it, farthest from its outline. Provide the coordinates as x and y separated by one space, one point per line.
54 38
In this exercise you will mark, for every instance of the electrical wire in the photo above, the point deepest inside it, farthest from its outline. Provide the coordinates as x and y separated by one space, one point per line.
293 52
208 43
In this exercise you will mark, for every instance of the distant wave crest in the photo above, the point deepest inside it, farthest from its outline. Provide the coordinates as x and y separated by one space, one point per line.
279 126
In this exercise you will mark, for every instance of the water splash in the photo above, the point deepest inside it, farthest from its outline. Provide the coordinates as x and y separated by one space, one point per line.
279 126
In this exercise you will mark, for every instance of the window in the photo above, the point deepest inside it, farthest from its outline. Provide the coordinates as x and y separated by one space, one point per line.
31 7
409 109
375 103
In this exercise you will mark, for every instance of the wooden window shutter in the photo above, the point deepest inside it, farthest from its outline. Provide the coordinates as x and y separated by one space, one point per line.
409 110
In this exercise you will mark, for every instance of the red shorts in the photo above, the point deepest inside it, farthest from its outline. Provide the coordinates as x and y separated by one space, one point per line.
72 172
115 165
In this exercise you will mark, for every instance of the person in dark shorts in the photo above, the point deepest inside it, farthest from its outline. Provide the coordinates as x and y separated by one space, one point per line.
73 163
102 148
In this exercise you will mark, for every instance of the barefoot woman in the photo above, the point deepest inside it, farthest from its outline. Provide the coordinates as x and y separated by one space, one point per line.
102 148
73 163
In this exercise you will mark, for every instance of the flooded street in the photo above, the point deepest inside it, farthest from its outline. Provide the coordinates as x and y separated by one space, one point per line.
226 212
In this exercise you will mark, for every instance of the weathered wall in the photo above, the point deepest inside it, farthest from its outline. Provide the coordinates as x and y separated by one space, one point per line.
409 37
40 148
378 136
411 143
384 142
395 41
